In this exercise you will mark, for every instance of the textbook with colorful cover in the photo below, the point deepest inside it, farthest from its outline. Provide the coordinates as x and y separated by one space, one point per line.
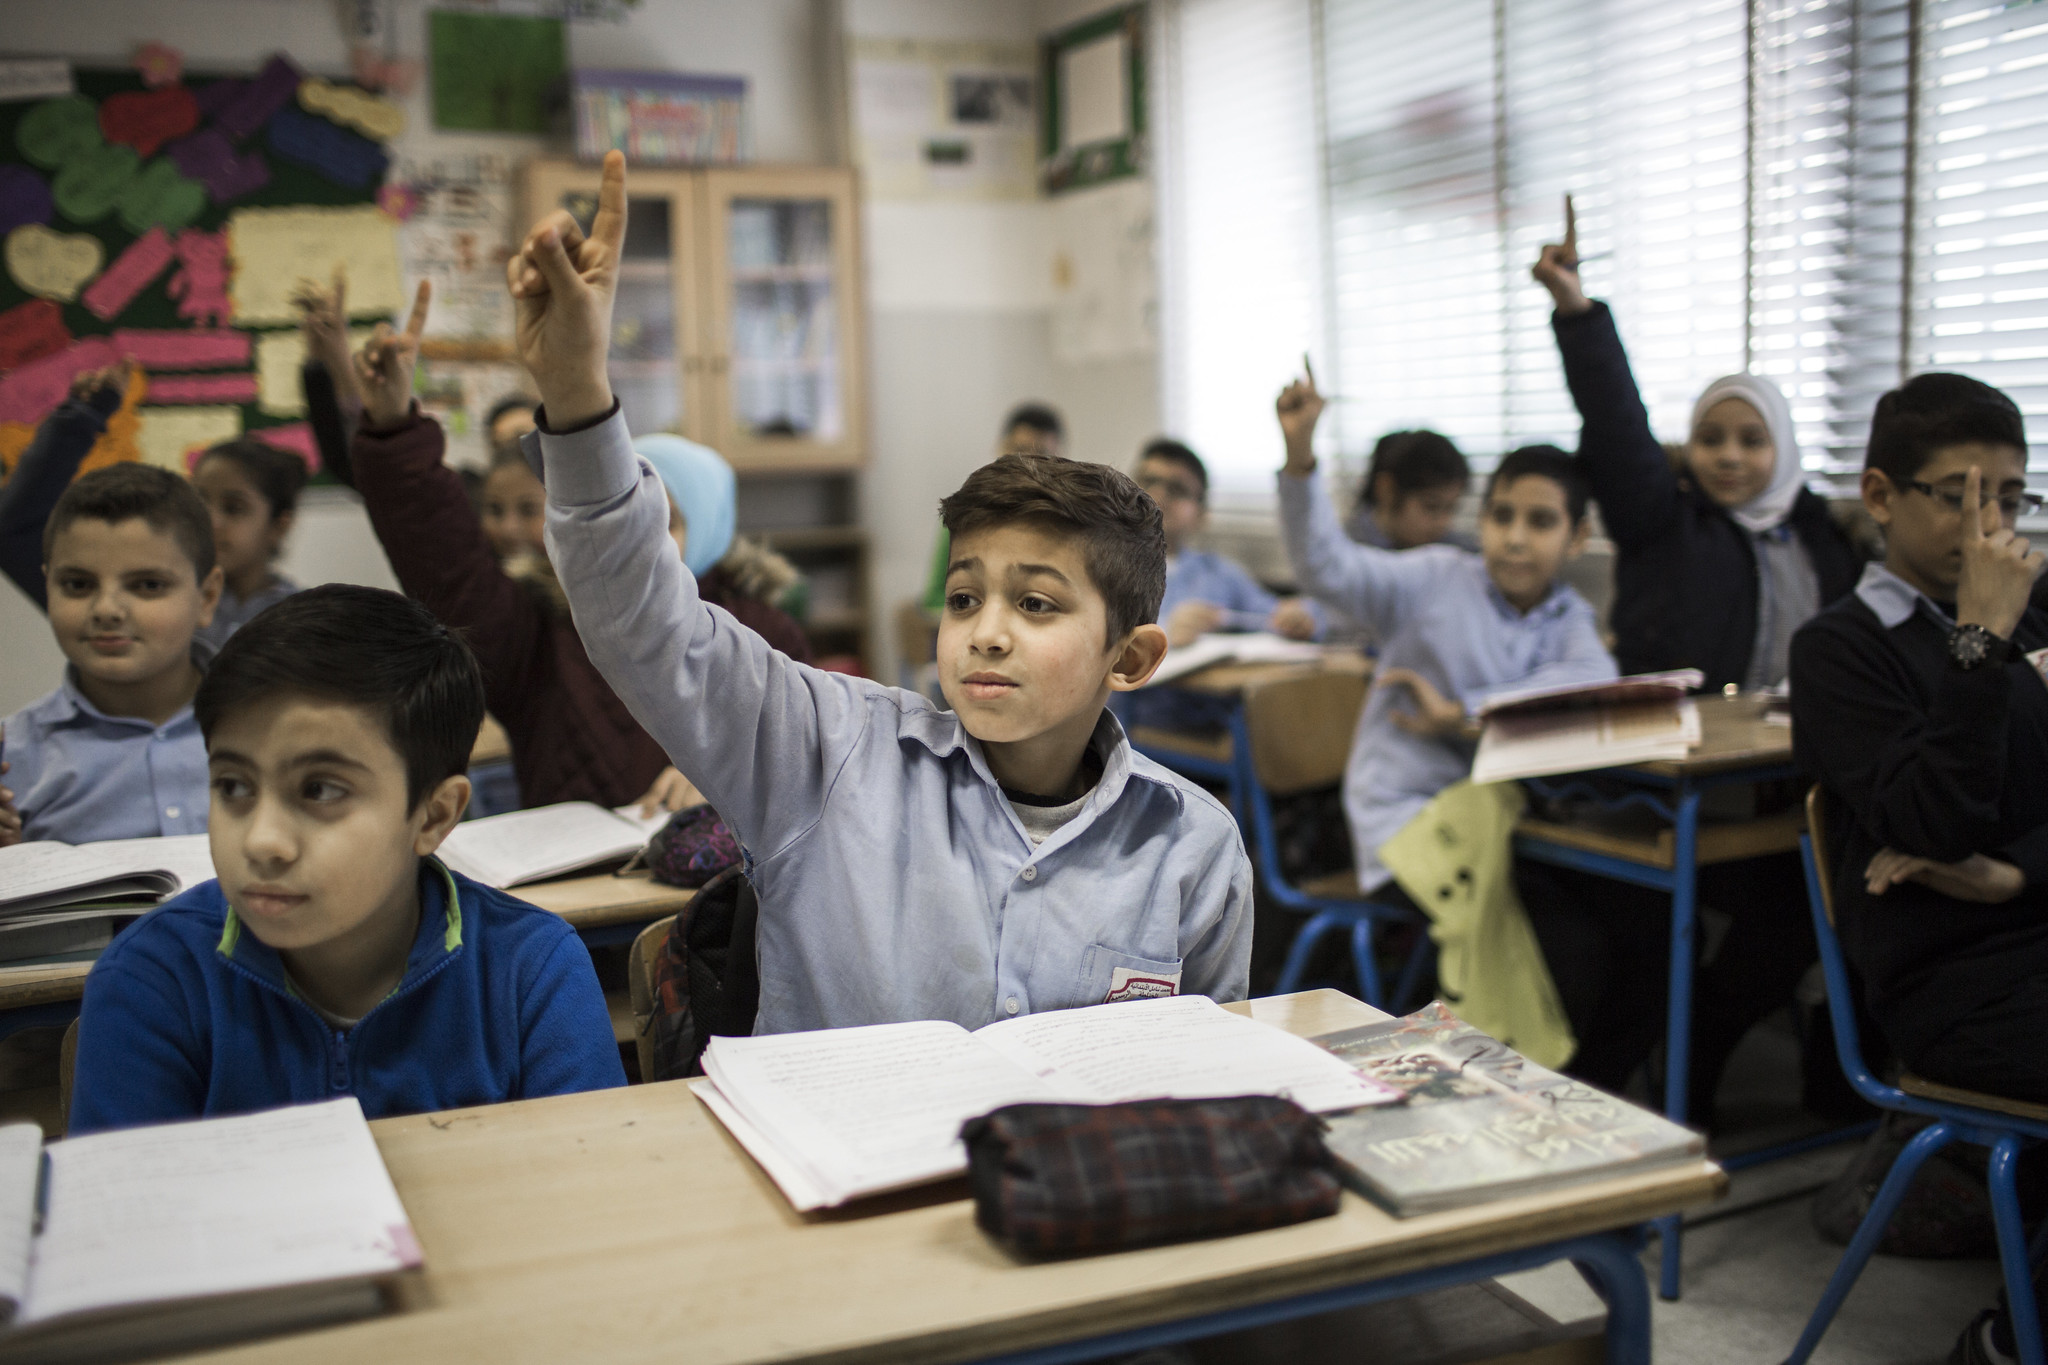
176 1236
1580 727
1482 1121
531 845
837 1114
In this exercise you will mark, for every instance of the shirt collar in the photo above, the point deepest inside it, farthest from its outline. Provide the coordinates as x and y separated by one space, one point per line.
1892 599
72 702
943 734
1553 605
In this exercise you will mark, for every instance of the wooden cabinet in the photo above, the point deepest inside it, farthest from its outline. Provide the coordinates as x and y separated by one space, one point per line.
739 318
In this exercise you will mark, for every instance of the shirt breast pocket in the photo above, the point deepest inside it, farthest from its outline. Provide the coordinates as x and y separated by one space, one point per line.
1108 976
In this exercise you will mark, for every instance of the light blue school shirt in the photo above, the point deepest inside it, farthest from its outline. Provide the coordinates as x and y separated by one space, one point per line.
234 612
1440 615
1204 576
80 775
896 881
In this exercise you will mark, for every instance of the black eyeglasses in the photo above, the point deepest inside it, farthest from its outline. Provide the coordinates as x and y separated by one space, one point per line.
2018 504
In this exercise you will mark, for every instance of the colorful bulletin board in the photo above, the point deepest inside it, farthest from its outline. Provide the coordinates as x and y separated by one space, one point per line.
169 223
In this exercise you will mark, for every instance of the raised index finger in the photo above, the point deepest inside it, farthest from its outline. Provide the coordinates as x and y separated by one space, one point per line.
417 323
608 228
1571 231
1973 505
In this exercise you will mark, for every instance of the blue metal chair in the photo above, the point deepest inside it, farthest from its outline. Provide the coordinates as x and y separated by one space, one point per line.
2005 1126
1290 736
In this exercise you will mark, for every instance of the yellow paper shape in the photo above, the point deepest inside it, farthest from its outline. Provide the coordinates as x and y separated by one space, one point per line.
115 444
14 439
53 265
278 358
1456 860
271 250
359 109
166 434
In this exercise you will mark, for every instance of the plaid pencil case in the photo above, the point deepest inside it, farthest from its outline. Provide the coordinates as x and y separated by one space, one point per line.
1059 1179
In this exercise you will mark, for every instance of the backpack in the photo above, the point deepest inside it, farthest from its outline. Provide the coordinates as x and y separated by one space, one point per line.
706 980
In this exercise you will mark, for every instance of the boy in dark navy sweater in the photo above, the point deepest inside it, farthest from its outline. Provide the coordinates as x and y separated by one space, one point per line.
335 955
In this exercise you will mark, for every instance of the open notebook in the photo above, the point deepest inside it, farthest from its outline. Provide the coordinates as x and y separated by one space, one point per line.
176 1236
837 1114
1219 647
1537 732
46 876
547 841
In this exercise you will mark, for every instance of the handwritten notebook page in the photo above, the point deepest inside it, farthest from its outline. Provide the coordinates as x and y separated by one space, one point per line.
1177 1047
217 1206
867 1109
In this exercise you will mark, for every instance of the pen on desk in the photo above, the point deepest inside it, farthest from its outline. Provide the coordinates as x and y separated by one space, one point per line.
42 1188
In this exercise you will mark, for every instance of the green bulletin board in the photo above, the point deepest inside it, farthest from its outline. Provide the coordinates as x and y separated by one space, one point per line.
495 73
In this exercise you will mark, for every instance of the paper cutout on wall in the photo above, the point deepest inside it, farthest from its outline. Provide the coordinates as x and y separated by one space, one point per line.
209 157
346 158
57 130
33 392
34 78
24 198
30 331
279 356
274 248
297 438
160 64
176 348
160 197
215 96
147 119
250 107
166 434
91 182
50 264
200 284
14 438
203 388
131 272
359 109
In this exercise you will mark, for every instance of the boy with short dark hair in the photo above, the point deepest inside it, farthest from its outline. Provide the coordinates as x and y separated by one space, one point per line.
1918 705
1410 493
114 752
335 955
1008 856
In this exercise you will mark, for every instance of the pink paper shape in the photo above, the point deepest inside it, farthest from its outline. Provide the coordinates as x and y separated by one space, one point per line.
33 392
297 438
174 348
159 63
129 275
201 283
202 388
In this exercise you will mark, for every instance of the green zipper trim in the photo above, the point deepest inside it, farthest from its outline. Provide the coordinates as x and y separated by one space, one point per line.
230 932
451 936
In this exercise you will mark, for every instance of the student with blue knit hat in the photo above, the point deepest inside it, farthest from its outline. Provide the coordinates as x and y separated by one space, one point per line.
701 491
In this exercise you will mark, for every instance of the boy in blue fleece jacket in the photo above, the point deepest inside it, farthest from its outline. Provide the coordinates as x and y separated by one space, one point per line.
335 955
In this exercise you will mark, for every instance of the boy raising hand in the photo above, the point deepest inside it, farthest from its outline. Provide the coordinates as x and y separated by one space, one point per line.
1010 855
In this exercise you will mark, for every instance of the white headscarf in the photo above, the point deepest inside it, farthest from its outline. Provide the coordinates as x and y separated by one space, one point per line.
1768 509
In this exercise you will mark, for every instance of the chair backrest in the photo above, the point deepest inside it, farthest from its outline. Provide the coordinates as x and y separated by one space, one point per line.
1823 858
67 1062
1300 729
1820 895
640 989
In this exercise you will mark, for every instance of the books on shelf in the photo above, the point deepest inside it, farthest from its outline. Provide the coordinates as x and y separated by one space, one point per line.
1220 647
837 1114
171 1237
531 845
45 877
1481 1121
1538 732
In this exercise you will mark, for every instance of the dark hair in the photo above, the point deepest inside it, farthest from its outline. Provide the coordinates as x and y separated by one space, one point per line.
1040 417
277 474
130 491
1544 462
1166 448
1123 541
1931 411
505 405
1417 461
363 647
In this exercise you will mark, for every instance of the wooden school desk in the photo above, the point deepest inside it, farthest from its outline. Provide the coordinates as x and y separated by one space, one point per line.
603 909
626 1226
1737 746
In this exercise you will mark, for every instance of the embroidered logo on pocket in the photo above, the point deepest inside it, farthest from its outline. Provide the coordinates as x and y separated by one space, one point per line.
1125 983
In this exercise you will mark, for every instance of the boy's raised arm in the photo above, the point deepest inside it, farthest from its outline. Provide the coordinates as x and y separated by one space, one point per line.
761 735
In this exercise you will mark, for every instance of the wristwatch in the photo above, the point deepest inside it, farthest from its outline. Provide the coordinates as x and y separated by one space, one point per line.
1973 646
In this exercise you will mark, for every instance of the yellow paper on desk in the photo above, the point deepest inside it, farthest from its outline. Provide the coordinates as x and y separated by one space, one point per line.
1456 859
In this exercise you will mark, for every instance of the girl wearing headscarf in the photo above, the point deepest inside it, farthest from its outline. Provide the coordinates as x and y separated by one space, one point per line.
1720 555
572 738
1719 559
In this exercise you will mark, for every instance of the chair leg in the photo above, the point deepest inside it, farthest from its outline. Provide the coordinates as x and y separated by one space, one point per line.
2021 1306
1925 1144
1305 940
1368 966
